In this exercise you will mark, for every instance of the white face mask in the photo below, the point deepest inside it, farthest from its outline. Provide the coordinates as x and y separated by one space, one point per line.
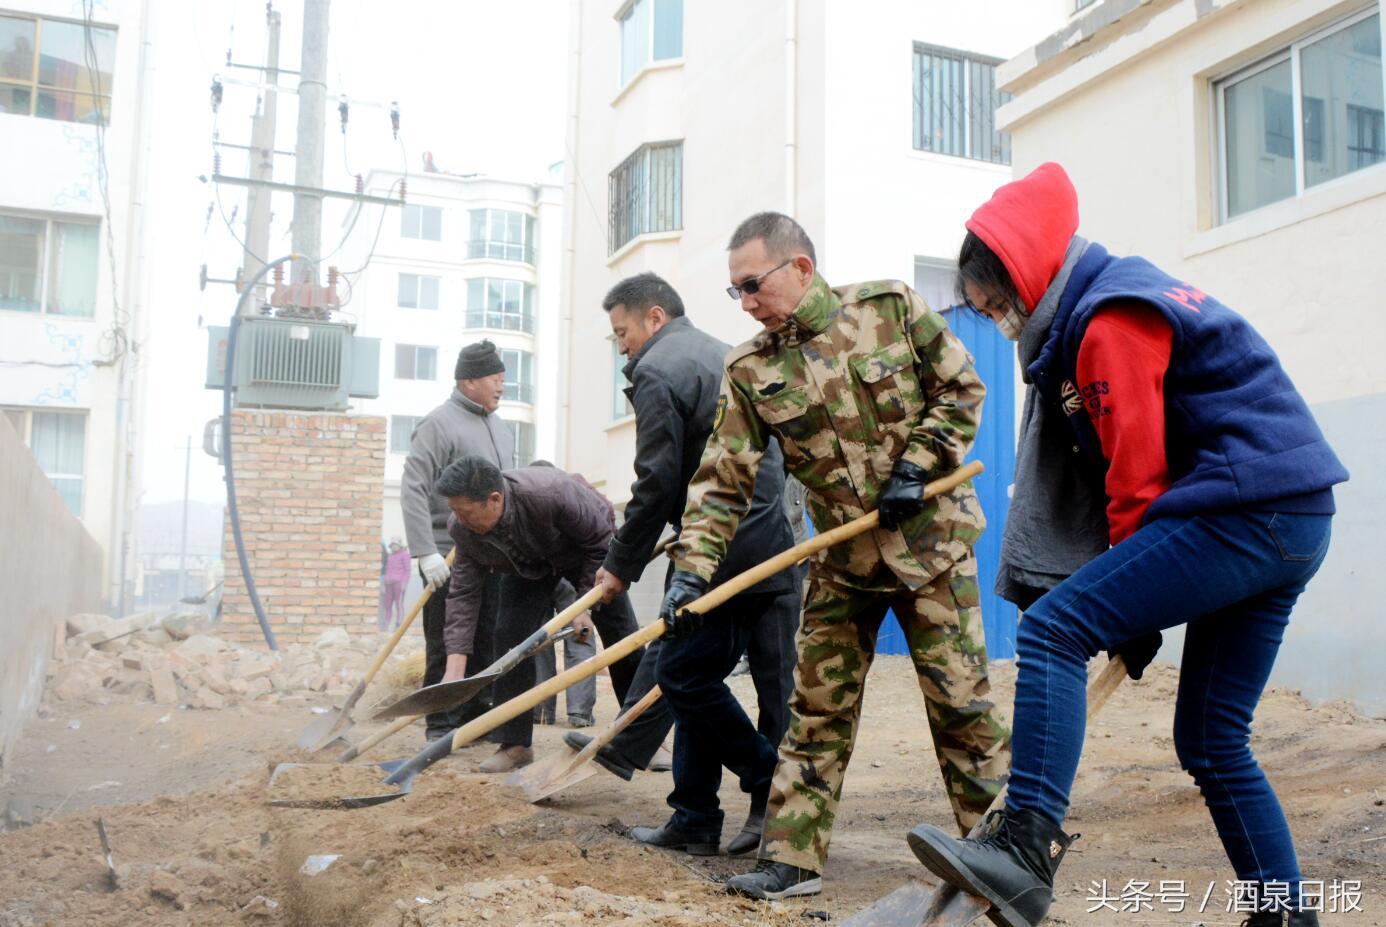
1012 323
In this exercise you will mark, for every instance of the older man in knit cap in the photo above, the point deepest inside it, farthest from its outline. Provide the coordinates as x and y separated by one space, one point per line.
465 425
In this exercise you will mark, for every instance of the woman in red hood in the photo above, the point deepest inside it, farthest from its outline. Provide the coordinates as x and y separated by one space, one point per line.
1213 498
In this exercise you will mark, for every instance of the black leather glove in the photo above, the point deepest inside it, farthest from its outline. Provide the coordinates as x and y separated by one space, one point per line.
684 587
1138 652
902 497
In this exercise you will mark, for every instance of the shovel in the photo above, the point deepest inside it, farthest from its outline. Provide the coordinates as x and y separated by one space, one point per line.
338 721
920 905
400 781
568 767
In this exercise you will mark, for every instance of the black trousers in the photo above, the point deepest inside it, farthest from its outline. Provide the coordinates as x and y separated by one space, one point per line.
528 604
436 655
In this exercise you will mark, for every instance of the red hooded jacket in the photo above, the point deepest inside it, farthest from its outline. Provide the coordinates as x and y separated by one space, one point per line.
1125 351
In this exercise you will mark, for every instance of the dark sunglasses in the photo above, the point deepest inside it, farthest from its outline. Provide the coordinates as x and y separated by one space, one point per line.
751 286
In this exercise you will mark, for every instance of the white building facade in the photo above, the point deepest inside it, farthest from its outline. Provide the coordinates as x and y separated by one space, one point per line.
71 255
469 257
872 124
1241 145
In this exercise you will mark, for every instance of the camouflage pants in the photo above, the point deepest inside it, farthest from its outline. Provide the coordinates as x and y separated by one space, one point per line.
837 640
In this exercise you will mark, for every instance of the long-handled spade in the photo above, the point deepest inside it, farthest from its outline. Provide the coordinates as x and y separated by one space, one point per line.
400 780
444 696
920 905
337 722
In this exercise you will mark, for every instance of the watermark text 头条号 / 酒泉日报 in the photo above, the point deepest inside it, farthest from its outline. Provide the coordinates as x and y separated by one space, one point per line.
1340 896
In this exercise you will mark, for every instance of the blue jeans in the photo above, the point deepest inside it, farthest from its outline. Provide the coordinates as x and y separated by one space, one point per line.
711 729
1233 578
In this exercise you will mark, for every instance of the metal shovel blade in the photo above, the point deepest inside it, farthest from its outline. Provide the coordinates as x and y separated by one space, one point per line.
391 790
910 905
325 729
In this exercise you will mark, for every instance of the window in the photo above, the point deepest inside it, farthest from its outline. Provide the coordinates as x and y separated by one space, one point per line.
620 405
402 432
933 281
414 362
524 443
69 78
505 236
48 266
425 222
645 193
955 101
1307 115
519 375
503 304
418 292
58 442
650 30
1082 5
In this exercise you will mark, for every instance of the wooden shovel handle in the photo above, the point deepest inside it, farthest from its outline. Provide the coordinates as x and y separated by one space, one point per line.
622 722
497 716
389 647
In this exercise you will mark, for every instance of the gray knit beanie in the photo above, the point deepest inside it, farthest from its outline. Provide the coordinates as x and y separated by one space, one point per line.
478 360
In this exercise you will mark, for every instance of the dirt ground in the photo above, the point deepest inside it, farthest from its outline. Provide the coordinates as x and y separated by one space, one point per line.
182 794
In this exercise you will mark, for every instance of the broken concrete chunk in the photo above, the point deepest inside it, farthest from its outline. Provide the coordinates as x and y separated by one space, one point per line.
165 885
332 637
85 623
161 681
199 646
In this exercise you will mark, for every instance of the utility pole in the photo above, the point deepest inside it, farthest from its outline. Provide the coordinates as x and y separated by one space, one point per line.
262 138
312 110
183 544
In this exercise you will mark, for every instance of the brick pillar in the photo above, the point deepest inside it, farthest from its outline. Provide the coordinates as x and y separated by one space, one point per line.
309 489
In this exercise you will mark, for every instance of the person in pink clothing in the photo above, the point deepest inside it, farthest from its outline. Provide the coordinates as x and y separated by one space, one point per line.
396 577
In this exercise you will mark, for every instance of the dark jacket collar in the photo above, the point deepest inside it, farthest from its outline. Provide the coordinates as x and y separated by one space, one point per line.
472 407
679 324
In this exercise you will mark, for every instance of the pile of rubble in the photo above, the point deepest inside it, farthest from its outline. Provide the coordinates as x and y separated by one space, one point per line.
177 660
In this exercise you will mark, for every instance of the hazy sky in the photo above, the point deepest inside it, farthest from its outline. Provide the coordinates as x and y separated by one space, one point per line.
480 83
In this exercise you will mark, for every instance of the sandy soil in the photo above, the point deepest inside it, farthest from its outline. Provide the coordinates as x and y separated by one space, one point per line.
184 793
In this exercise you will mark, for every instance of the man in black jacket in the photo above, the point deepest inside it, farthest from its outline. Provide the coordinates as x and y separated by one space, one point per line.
675 372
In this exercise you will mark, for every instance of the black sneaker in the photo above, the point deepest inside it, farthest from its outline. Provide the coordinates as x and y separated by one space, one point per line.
606 757
1282 919
771 881
668 837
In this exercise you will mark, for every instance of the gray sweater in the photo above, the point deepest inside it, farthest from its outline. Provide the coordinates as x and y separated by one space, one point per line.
457 428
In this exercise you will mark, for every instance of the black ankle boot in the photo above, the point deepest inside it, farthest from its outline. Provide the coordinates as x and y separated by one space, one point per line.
1282 919
1012 865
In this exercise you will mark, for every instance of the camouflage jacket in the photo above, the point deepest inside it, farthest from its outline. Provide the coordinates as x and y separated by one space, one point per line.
856 378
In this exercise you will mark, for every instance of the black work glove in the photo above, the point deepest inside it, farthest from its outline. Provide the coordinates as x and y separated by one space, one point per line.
902 497
1138 652
684 587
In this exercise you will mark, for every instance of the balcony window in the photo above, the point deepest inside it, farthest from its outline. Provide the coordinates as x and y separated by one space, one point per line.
620 405
48 266
402 432
955 102
524 443
417 291
422 222
519 375
415 362
1304 116
502 304
651 30
55 69
645 194
501 235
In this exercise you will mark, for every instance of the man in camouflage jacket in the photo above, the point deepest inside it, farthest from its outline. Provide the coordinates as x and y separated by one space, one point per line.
870 396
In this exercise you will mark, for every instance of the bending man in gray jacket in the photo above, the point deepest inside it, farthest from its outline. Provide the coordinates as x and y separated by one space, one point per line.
465 425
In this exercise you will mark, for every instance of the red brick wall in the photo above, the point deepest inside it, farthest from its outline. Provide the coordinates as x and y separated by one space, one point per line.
309 489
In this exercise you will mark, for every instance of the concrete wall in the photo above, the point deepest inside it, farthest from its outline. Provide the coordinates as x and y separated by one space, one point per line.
49 569
1129 114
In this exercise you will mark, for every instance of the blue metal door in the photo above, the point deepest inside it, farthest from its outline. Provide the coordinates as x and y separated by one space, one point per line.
995 448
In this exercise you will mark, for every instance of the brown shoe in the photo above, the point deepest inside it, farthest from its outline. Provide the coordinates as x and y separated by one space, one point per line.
508 757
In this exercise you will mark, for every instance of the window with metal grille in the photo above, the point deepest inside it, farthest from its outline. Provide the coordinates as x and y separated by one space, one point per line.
503 304
519 375
1308 114
955 102
402 432
423 222
501 235
418 291
58 441
645 193
55 69
415 362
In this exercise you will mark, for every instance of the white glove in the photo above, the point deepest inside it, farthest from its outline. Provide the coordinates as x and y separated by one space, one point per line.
435 570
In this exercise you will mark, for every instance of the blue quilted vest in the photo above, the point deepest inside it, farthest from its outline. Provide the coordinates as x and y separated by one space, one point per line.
1237 432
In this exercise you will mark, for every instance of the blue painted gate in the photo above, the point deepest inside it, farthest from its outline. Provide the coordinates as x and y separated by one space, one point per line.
995 448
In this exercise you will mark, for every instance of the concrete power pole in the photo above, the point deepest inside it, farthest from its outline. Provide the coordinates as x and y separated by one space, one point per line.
312 110
262 138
